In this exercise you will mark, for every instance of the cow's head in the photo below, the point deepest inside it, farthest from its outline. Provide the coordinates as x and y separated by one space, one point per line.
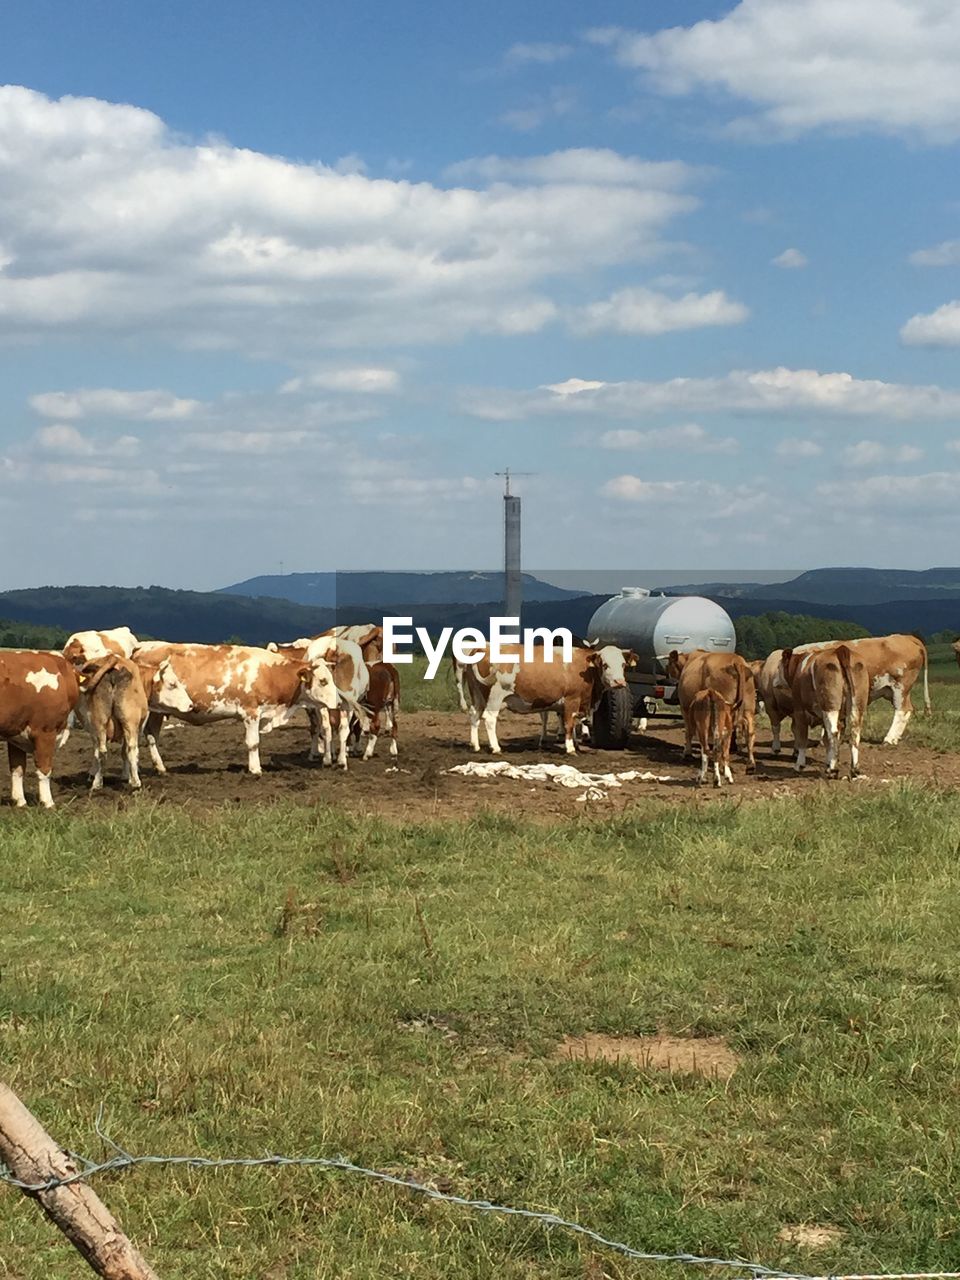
317 685
676 661
167 690
611 663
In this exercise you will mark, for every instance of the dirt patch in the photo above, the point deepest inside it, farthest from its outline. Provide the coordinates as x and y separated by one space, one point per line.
207 768
707 1056
808 1235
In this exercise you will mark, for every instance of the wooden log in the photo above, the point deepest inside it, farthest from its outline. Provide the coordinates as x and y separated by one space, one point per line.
33 1157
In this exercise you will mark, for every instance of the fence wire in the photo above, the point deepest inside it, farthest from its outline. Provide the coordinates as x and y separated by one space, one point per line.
122 1160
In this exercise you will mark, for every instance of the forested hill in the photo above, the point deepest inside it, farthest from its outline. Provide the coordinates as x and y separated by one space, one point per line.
205 617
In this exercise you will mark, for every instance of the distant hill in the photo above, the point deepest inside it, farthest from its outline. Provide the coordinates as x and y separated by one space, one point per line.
865 586
386 590
204 617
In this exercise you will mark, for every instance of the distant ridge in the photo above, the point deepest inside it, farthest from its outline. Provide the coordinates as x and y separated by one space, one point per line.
384 589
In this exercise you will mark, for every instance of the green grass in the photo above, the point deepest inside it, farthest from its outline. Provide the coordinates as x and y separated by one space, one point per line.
404 1012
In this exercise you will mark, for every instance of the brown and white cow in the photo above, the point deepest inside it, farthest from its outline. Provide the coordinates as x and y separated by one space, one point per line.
893 663
116 696
88 646
956 650
571 688
261 688
38 692
827 683
367 635
728 674
351 677
712 718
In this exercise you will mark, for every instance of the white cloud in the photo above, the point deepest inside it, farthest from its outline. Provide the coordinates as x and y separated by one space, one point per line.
940 328
886 66
870 453
794 447
945 254
589 166
243 442
935 492
953 446
558 102
706 501
105 402
113 223
646 312
543 52
790 260
689 436
62 438
782 391
360 380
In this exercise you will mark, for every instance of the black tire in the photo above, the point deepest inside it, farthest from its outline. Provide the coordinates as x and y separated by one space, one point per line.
610 728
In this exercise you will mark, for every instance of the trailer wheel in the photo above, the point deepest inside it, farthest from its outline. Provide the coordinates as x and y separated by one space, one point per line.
610 728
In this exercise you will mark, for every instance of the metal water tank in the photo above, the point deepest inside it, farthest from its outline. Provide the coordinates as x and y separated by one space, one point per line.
654 625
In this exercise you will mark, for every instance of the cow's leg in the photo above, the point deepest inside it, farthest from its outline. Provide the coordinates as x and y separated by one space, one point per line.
775 722
153 727
902 711
749 723
327 722
251 738
571 709
18 763
131 757
44 745
99 755
855 728
344 735
373 735
831 733
704 765
800 738
313 717
392 715
490 713
544 715
475 715
687 735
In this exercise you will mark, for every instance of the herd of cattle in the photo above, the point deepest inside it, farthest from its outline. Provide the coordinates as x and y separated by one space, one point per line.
121 690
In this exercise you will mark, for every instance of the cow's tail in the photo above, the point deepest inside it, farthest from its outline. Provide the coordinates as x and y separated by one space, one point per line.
927 708
458 677
712 731
849 691
93 672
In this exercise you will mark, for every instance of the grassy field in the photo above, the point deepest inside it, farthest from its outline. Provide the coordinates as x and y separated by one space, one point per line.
289 979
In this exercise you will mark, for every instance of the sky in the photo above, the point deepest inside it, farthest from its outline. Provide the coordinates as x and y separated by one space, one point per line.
286 285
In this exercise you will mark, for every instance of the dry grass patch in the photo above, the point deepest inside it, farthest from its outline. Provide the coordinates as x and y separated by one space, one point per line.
708 1056
810 1235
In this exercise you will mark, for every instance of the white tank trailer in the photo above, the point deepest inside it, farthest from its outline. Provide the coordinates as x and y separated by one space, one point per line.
652 626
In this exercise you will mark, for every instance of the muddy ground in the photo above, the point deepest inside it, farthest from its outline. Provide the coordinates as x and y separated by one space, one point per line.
206 767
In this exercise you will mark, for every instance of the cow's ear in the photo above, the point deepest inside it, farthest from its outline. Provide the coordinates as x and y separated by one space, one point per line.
630 658
594 659
305 674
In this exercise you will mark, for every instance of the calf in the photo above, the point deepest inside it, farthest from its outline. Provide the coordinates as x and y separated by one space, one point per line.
712 719
382 699
38 692
351 678
115 708
727 674
541 684
826 684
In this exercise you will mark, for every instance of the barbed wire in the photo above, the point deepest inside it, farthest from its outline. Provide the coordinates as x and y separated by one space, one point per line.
123 1160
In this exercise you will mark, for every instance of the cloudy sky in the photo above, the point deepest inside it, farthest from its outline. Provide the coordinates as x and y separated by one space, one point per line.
289 283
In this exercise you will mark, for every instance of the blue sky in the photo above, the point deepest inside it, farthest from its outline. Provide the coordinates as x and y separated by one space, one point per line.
291 283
